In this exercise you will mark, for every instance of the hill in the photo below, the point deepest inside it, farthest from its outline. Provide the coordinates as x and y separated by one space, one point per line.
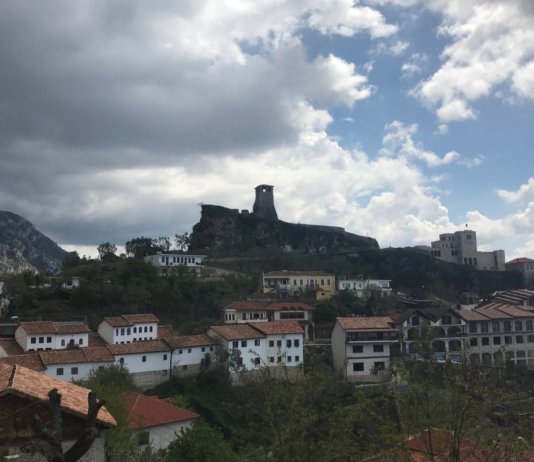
23 247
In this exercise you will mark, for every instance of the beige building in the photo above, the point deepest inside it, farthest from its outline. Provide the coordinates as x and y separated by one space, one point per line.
296 283
461 248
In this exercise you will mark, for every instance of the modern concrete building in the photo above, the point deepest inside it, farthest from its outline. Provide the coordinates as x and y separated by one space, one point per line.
461 248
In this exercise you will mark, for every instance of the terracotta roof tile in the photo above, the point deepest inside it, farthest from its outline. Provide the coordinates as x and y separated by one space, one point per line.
140 318
98 354
472 315
117 321
149 411
166 331
189 341
71 328
34 385
519 260
278 327
366 323
146 346
39 327
31 361
282 306
96 341
245 305
11 346
237 332
76 355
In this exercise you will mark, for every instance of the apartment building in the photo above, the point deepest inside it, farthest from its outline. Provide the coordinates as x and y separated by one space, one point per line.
296 283
171 261
129 328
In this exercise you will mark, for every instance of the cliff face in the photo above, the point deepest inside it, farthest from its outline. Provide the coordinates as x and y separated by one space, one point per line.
22 247
223 228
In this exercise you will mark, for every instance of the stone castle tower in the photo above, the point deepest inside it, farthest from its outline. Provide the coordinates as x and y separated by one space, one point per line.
264 203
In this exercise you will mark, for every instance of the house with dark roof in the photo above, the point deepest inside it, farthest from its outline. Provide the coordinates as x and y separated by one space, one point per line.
24 395
361 347
156 421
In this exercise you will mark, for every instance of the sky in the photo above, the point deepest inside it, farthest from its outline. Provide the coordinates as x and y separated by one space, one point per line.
395 119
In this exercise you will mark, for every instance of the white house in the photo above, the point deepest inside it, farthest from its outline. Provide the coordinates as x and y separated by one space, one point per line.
129 328
359 286
295 311
189 351
76 363
166 262
284 342
156 421
243 311
147 361
246 346
361 347
48 335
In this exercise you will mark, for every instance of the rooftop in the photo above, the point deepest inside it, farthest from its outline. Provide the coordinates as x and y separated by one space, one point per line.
76 355
237 332
189 341
150 411
49 327
245 305
31 361
34 385
366 323
146 346
131 319
278 327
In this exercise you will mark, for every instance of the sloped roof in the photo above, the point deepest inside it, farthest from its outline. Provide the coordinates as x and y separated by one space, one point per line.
519 260
131 319
166 331
76 355
366 323
245 305
145 346
187 341
71 328
11 346
49 327
34 385
237 332
432 313
282 306
278 327
96 341
150 411
31 361
441 442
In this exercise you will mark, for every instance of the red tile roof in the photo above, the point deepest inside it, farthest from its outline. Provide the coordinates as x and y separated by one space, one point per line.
519 260
76 355
130 319
237 332
34 385
166 331
39 327
11 346
71 328
31 361
149 411
366 323
146 346
283 306
189 341
245 305
96 341
278 327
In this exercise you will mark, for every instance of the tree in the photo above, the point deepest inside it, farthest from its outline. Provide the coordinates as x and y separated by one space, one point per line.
49 438
106 251
163 243
182 241
140 247
201 443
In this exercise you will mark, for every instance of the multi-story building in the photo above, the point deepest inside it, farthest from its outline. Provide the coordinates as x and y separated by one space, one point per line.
75 364
48 335
189 351
361 347
443 328
296 311
170 261
129 328
461 248
243 311
525 266
295 283
359 286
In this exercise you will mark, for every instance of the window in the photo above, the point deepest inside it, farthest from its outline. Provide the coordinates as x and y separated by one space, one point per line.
59 371
357 367
235 344
143 359
189 350
529 325
289 359
473 341
296 343
508 340
80 341
184 367
257 342
33 340
143 438
496 340
121 361
271 359
518 339
63 342
485 341
203 349
41 339
279 359
271 343
257 361
288 343
211 348
297 359
151 328
164 357
244 316
135 330
122 331
484 326
146 329
357 348
518 325
530 339
128 331
378 348
243 343
74 370
446 319
180 352
507 326
472 327
279 343
48 339
495 326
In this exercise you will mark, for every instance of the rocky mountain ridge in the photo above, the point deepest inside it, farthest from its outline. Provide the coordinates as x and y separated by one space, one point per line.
23 247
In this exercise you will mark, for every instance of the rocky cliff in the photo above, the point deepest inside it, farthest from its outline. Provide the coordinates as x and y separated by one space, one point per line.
22 247
223 228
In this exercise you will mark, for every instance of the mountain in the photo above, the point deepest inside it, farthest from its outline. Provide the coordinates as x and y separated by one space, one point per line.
22 247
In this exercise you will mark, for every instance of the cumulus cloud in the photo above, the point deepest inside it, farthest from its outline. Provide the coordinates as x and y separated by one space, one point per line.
414 65
525 192
399 141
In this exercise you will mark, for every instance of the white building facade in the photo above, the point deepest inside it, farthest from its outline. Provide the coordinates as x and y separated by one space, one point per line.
167 262
129 328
